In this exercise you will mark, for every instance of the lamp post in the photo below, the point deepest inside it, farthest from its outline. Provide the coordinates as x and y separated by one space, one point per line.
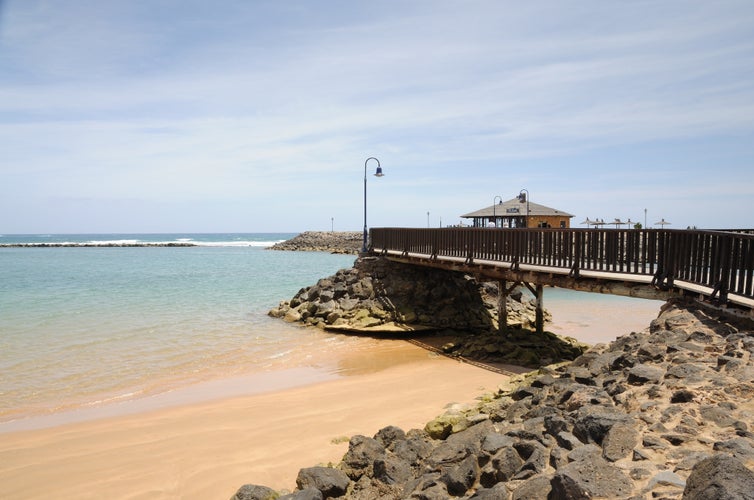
377 173
525 198
494 216
427 219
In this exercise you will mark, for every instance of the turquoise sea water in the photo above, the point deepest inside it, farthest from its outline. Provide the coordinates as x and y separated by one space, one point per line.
89 324
81 326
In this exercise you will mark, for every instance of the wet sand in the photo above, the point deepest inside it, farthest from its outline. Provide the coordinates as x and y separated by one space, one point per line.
209 449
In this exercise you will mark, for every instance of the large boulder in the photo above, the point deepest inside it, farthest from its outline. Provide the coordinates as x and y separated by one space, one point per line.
305 494
594 422
595 478
362 453
721 477
255 492
332 483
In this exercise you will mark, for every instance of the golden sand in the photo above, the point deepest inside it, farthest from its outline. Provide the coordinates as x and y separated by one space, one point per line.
209 449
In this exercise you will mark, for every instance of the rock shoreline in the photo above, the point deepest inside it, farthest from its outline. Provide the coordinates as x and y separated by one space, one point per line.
665 413
379 297
341 242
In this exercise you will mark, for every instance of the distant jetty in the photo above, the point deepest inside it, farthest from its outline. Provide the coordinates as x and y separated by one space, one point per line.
345 242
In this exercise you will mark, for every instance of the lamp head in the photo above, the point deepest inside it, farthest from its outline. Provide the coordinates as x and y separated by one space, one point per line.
378 173
522 197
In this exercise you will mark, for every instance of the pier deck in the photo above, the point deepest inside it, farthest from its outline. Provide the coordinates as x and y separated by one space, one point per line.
712 266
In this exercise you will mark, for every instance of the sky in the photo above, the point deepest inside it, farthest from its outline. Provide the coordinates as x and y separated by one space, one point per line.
151 116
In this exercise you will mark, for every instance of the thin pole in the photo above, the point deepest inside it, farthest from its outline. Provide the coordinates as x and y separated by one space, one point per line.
364 242
494 215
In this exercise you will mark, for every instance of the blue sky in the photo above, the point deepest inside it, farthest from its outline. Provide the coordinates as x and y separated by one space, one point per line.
196 116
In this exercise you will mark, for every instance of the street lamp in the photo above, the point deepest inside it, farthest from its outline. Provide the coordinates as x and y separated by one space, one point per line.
524 198
377 173
494 217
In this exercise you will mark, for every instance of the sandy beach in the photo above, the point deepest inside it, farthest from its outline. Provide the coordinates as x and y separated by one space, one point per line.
208 440
209 449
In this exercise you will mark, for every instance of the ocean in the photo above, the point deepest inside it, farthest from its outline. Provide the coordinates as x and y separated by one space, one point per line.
87 323
81 326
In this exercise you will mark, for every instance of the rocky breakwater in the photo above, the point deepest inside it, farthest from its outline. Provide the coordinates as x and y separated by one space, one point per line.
347 242
378 296
665 413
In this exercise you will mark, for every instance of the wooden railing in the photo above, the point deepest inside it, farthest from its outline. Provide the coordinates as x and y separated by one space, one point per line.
722 262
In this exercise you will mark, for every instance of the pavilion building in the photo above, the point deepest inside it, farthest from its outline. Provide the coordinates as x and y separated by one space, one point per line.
519 212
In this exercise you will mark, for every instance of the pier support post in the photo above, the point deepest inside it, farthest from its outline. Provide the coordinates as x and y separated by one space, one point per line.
540 313
502 303
502 307
539 319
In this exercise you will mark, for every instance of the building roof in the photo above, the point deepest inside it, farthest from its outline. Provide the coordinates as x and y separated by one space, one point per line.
515 208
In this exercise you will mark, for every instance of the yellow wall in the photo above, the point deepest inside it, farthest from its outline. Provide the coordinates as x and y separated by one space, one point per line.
553 220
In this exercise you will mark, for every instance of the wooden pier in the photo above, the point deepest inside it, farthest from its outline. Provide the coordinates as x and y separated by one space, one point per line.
713 266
